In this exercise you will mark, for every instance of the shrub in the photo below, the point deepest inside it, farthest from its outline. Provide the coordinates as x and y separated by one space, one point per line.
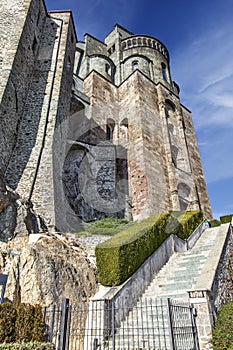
7 323
119 257
223 329
189 220
29 323
22 323
215 223
226 219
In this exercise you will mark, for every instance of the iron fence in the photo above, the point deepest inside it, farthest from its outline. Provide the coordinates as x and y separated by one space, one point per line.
159 324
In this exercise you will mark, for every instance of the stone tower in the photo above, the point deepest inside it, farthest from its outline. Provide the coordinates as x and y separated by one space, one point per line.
91 129
146 154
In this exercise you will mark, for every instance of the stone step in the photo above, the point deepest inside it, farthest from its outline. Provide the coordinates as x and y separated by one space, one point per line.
183 269
142 343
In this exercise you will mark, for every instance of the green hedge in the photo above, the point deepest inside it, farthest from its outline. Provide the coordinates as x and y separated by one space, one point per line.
21 323
215 223
8 316
189 221
223 329
27 346
226 218
119 257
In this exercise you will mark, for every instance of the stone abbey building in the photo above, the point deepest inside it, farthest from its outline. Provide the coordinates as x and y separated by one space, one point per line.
91 129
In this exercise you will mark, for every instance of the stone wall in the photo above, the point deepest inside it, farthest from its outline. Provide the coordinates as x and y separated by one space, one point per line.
156 166
158 178
20 35
215 287
195 161
222 289
40 148
142 104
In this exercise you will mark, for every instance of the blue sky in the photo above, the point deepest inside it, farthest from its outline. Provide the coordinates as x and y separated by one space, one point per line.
199 37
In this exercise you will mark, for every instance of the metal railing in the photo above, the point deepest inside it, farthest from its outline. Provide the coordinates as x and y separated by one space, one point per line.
158 324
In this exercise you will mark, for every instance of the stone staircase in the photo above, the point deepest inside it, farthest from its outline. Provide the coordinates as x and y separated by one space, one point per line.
146 326
183 270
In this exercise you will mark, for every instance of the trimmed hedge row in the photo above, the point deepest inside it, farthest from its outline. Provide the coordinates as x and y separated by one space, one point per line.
21 323
215 223
226 219
119 257
223 328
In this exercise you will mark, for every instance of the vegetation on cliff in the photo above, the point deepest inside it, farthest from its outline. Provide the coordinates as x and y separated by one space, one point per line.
223 329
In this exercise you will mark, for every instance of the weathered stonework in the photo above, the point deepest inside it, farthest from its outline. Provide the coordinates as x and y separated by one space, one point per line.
43 269
92 129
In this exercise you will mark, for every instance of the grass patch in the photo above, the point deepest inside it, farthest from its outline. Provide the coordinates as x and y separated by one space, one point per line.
105 227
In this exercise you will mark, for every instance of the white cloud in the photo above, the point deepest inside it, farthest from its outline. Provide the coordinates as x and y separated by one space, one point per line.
205 69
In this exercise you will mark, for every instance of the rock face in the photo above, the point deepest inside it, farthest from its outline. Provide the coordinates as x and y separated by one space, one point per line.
7 212
43 269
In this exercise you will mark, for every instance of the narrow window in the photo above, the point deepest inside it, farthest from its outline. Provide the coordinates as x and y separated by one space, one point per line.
108 69
109 133
112 49
68 63
164 71
34 46
135 65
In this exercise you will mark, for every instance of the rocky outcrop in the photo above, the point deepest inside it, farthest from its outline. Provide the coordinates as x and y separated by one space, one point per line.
17 217
8 212
43 269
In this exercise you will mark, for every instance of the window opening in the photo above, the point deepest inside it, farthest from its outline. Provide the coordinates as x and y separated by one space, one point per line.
135 65
164 71
108 69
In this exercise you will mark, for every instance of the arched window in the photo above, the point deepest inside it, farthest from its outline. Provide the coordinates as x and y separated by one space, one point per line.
135 65
164 71
110 129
